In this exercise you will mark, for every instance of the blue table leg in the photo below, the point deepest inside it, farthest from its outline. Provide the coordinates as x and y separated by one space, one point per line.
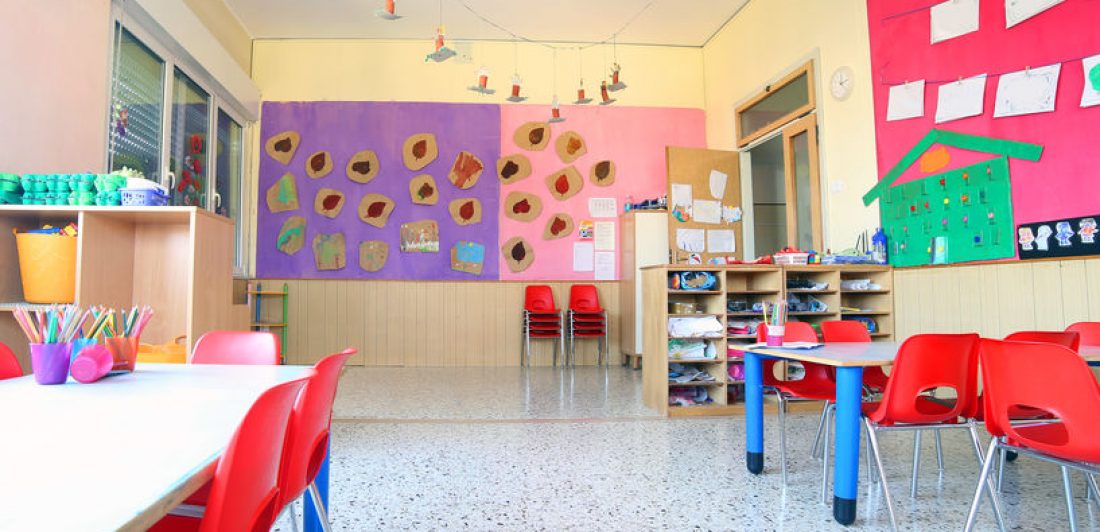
312 524
849 397
754 413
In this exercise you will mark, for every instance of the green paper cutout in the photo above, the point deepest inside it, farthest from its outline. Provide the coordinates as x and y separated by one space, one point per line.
1094 77
328 251
292 236
283 195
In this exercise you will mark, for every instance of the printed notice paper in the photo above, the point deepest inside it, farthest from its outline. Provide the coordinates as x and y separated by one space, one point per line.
1027 91
1091 94
960 99
718 184
605 266
1017 11
681 196
602 208
954 18
721 241
582 256
906 101
707 212
605 236
691 240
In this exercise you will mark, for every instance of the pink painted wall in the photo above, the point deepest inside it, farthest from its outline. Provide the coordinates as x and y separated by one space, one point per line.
53 100
634 137
1063 182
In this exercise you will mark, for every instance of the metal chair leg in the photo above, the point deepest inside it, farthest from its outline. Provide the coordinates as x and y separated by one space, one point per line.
881 472
820 427
825 461
1094 491
983 483
998 512
1068 488
322 513
292 507
939 451
782 434
870 462
1001 471
916 465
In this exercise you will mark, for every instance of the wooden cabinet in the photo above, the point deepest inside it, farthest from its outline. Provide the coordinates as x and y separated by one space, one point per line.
643 241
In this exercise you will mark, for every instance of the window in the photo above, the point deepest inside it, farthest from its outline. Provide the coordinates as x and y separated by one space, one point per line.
137 107
779 103
190 125
229 158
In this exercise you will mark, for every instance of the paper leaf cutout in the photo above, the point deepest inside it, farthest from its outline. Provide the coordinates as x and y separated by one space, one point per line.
465 211
329 252
560 225
522 206
281 146
362 167
375 209
466 170
467 257
319 164
328 202
373 255
564 183
419 151
283 195
420 237
533 136
570 146
513 168
292 236
602 174
935 160
518 254
422 190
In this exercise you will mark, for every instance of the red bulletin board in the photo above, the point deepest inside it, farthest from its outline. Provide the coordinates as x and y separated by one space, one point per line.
1065 181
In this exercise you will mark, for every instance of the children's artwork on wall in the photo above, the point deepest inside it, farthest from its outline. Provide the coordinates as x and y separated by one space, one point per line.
466 170
373 254
421 236
468 257
565 183
513 168
362 167
281 146
292 236
328 202
518 254
419 151
560 225
282 195
329 251
602 174
1068 237
422 190
465 211
522 206
532 136
319 164
570 147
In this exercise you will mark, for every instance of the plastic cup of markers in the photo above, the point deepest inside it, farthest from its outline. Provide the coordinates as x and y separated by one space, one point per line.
123 351
775 335
50 362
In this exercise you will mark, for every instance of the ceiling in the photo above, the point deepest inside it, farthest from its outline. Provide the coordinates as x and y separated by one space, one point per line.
664 22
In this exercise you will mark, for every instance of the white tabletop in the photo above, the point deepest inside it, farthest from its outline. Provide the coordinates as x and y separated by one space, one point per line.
119 453
839 353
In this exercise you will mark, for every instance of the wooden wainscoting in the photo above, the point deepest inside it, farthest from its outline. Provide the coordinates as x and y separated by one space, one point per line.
429 323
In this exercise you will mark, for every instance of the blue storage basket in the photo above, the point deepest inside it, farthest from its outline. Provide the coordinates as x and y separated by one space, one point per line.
143 197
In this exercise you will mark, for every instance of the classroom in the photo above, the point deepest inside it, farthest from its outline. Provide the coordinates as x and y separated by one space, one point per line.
489 265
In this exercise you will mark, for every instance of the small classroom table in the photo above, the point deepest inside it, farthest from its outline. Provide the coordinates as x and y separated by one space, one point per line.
120 453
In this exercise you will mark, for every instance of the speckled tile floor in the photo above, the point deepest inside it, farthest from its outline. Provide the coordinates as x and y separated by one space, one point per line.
501 449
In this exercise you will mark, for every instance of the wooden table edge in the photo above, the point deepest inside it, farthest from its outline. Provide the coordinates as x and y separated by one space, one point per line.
180 492
806 355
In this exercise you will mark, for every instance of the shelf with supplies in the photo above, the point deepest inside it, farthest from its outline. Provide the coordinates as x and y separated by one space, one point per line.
269 310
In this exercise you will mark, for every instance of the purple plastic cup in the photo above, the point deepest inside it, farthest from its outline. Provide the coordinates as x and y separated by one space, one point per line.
775 335
50 362
92 364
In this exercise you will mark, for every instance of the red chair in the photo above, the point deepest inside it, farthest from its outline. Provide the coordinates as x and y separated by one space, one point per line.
1068 339
307 441
244 493
854 332
9 364
587 319
1089 331
541 319
237 347
1011 378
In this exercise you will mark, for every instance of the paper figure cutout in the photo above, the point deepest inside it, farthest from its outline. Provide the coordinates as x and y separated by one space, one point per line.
581 99
467 257
373 255
555 111
466 170
319 164
533 136
560 225
616 84
564 183
420 237
283 195
465 211
1088 230
513 168
935 160
422 190
586 230
1065 232
329 252
281 146
1026 238
328 202
482 82
1041 237
375 209
517 82
419 151
518 254
362 167
570 147
602 174
441 53
605 97
522 206
292 236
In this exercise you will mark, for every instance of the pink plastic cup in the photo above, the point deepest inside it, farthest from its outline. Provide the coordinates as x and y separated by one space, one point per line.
93 363
775 335
50 362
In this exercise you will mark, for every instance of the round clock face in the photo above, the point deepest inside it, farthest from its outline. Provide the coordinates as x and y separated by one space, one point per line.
841 84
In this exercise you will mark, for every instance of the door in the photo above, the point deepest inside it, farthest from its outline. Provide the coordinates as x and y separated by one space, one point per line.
803 183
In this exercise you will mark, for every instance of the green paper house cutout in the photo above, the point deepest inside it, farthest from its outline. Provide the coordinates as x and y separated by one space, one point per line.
960 215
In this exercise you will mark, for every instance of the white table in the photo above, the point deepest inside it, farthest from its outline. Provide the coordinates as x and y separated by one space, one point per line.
119 453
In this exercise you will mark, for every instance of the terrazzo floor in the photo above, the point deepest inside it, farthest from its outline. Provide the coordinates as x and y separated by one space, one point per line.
546 449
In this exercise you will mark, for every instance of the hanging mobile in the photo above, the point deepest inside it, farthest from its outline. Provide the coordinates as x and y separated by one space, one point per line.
441 53
581 100
516 80
388 12
555 106
616 84
482 82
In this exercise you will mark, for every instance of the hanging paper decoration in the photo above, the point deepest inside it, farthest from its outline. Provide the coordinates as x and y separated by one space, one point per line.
616 84
581 100
605 98
388 12
555 111
482 82
516 82
441 53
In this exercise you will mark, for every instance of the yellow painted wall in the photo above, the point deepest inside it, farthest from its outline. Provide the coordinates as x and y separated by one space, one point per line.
769 38
227 29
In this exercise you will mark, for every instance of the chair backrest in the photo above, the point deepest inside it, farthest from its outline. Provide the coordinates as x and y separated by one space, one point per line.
237 347
844 331
9 365
794 331
1089 331
584 298
925 362
307 441
1070 339
244 493
1062 385
539 298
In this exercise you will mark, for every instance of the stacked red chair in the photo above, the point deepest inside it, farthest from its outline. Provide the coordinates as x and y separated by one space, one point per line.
541 320
587 319
1089 331
850 331
9 365
237 347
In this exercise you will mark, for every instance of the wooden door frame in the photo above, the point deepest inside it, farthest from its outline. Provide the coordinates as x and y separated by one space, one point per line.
811 104
805 125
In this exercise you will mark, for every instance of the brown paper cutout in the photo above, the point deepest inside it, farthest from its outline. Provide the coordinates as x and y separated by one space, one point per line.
328 202
292 236
419 151
283 195
602 174
373 255
518 254
420 237
522 206
465 250
466 170
375 209
319 164
423 191
533 136
513 168
465 211
570 146
329 252
362 167
564 183
281 146
560 225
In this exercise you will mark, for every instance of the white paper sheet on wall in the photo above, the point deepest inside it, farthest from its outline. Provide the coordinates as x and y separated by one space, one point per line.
681 196
582 256
960 99
707 211
906 101
691 240
718 184
953 18
1017 11
721 241
605 236
1091 94
602 208
1027 91
605 266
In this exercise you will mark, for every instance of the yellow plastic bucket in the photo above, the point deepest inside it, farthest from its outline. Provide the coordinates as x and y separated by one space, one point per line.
47 266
